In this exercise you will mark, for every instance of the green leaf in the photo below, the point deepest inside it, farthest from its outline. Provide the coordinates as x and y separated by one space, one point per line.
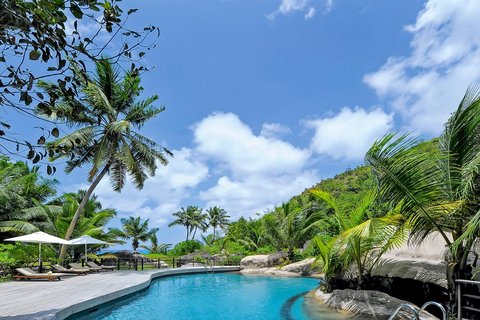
34 55
76 11
55 132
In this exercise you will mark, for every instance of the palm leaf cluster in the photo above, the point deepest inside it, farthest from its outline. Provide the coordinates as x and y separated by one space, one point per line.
290 226
192 218
108 117
136 230
20 186
362 239
436 186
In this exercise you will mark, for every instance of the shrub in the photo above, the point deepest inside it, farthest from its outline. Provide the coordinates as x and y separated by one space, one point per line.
185 247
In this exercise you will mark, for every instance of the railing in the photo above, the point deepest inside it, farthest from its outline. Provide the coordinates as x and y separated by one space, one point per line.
416 314
136 263
468 298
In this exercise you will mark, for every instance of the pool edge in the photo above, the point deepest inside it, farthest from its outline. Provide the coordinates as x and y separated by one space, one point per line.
99 300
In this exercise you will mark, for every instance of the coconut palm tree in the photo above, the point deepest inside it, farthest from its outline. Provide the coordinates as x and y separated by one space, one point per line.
19 187
135 229
182 220
217 218
198 220
54 218
435 185
290 226
156 247
107 116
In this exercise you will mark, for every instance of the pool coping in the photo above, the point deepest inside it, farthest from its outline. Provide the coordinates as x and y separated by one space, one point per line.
108 297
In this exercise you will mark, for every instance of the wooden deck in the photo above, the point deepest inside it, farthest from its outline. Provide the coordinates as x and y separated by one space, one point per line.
56 300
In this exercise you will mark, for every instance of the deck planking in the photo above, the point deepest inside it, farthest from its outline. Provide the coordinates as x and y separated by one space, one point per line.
56 300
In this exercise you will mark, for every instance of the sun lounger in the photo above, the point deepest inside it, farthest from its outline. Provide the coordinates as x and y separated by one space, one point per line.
163 264
79 266
92 264
29 274
59 268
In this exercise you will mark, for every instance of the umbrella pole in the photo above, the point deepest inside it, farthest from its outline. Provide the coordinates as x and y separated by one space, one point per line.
86 254
40 257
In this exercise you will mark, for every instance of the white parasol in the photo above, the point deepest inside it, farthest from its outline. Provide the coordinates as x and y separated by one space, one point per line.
39 237
86 240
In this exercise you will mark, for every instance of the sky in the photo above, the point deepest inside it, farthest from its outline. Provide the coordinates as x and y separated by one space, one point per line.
264 98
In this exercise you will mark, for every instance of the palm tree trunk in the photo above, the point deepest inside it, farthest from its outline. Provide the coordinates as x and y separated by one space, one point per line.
80 208
214 235
187 234
194 232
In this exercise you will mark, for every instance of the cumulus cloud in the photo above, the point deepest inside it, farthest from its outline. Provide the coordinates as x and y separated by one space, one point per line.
427 85
162 194
256 193
224 138
350 133
257 171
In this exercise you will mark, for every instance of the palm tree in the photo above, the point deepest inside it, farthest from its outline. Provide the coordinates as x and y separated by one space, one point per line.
249 233
217 218
290 226
135 229
182 220
435 185
198 220
155 247
19 187
54 218
108 114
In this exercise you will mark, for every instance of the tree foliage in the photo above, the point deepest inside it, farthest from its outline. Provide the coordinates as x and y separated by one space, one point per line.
42 39
108 116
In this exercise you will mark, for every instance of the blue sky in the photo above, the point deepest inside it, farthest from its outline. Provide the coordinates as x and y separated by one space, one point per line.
266 97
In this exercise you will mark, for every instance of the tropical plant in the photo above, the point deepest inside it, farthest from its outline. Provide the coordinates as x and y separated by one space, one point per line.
435 186
108 115
46 31
135 229
54 218
198 220
249 233
156 247
363 238
207 240
290 226
185 247
192 218
182 219
217 218
19 187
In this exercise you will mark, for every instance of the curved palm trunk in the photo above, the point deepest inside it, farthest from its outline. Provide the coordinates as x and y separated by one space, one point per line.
187 234
79 211
194 233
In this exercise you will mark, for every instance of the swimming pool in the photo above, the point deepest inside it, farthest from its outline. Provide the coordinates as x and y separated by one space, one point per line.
214 296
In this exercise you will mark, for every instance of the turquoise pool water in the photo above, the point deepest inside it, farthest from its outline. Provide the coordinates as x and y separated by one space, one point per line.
214 296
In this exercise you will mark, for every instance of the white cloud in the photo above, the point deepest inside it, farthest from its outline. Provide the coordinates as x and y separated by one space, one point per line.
256 193
257 171
272 130
310 13
290 6
427 85
162 194
350 133
223 137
